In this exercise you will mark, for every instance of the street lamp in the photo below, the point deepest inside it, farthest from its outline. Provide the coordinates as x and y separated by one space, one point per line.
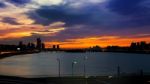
73 63
85 58
58 66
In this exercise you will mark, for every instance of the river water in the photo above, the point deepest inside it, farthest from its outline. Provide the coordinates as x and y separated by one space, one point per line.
45 64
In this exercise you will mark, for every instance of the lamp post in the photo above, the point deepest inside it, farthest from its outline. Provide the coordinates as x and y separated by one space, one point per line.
85 58
58 66
118 71
73 63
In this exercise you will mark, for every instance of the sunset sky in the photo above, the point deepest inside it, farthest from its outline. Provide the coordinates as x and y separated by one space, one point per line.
75 23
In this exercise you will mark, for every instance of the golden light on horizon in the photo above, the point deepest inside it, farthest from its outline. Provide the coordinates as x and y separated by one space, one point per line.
92 41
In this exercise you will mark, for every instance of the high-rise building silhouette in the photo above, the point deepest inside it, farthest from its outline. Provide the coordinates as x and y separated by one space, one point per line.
43 46
20 46
54 46
32 45
39 44
58 47
29 45
133 46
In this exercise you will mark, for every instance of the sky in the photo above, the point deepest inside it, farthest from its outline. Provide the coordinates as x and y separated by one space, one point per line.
75 23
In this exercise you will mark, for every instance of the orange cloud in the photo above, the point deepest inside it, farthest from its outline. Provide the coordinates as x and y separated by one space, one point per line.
15 35
19 31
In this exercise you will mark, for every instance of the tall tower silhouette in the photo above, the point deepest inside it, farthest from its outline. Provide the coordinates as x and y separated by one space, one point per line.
57 47
21 46
39 44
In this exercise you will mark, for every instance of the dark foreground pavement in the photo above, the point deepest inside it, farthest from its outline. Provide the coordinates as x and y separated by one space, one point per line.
76 80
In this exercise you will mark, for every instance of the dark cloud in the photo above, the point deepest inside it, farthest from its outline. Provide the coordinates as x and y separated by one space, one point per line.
2 5
134 14
136 10
38 19
126 7
19 2
58 13
10 20
114 17
79 23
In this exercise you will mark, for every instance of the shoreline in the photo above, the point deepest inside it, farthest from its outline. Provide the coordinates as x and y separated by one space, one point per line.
32 52
17 53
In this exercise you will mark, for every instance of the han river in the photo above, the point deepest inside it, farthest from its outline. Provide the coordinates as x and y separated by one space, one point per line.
46 64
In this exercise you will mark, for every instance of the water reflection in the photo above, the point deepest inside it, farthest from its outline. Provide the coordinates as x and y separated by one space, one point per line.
46 64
